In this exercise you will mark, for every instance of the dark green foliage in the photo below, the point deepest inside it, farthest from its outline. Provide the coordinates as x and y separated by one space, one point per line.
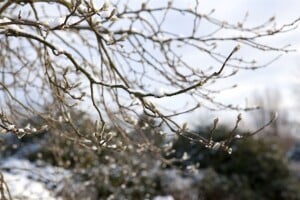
199 155
217 186
256 169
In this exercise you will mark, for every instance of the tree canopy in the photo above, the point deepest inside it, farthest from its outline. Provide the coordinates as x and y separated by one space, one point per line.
120 60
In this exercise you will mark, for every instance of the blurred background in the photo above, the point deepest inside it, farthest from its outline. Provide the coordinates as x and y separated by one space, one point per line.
163 166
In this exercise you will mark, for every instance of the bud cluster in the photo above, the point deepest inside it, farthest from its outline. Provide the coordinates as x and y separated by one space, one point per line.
6 126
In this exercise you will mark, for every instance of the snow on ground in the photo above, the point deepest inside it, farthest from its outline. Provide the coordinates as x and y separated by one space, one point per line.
32 181
163 198
37 181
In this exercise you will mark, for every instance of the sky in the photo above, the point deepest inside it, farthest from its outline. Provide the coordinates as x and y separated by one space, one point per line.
280 75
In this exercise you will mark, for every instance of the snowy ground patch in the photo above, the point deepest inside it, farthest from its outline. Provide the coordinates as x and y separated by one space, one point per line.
28 180
163 198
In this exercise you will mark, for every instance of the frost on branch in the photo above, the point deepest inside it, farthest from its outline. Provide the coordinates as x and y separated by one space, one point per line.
7 126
